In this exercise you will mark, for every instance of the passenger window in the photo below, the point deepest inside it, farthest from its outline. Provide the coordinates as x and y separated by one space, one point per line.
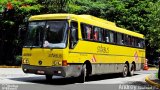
132 41
127 40
112 39
120 39
100 38
136 42
73 34
142 43
95 33
139 43
107 36
89 32
86 31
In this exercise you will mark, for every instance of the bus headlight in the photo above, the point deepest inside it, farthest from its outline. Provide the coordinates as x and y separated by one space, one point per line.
57 63
25 61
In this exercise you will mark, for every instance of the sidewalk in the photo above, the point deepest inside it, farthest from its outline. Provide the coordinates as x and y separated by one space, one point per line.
153 68
3 66
153 80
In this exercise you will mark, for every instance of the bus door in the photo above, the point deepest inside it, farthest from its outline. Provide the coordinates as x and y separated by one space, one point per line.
73 40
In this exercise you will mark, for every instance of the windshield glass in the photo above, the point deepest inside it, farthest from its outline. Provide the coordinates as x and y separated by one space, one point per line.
52 34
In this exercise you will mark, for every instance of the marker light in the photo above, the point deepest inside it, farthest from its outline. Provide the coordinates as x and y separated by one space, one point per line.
64 63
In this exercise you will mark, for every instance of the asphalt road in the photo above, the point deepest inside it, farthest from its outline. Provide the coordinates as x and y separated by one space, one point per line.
15 79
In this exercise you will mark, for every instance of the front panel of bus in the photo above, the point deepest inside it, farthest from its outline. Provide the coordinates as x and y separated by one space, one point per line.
45 46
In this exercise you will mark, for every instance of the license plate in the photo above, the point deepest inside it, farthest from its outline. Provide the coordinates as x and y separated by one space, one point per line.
40 72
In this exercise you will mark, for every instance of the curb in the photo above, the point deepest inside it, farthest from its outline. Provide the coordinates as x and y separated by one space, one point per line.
151 82
152 69
10 66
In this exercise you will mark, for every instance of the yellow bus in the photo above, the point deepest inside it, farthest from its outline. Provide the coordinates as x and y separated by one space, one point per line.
70 45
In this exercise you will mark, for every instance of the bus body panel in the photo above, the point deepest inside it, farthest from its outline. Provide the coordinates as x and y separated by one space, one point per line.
64 71
43 57
104 57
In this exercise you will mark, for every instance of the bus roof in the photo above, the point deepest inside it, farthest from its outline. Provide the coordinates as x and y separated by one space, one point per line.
88 19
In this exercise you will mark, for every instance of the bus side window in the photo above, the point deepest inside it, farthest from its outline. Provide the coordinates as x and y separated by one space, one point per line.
95 33
112 39
100 38
107 38
127 40
86 31
120 39
132 41
83 31
142 43
138 43
73 34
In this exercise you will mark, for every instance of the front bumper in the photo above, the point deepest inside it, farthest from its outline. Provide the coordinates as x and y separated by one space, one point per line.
64 71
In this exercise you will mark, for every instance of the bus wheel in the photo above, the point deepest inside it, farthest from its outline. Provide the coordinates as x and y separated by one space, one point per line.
125 70
48 77
82 77
131 73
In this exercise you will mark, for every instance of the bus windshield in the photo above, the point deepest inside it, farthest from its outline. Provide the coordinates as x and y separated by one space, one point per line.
51 34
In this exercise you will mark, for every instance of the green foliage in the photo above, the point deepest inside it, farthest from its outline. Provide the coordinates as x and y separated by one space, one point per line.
141 16
55 6
156 75
86 7
10 41
137 15
154 29
25 7
18 60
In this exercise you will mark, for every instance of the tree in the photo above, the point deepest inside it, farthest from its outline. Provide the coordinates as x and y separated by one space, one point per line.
153 33
55 6
14 13
12 22
136 15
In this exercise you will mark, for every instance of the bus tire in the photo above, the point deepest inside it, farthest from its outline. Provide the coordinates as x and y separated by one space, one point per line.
48 77
82 77
131 73
125 70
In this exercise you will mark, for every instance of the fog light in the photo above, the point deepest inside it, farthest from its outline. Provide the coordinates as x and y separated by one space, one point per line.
57 63
25 70
25 61
59 71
